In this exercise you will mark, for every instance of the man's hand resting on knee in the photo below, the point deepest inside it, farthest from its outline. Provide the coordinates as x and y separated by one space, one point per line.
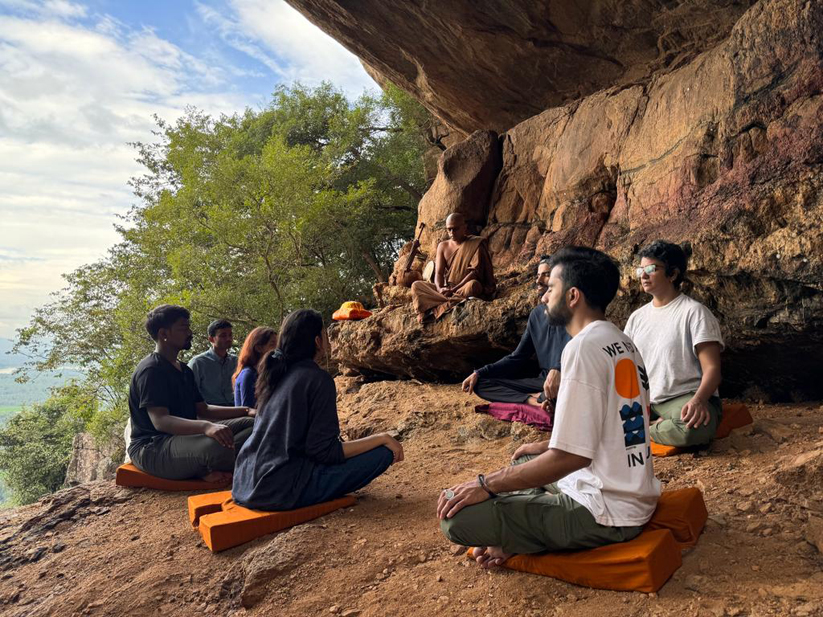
548 467
695 413
466 494
221 434
470 383
535 449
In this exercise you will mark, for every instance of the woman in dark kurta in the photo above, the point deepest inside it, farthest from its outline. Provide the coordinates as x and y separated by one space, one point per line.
294 457
257 343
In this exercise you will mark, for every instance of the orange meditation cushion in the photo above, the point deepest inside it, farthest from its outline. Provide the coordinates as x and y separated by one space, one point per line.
642 564
223 524
129 475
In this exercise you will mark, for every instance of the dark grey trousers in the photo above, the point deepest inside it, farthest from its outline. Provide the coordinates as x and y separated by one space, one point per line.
181 457
504 390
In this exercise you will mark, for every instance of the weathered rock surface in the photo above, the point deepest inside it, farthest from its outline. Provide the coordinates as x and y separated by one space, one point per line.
490 65
91 461
392 342
466 174
725 152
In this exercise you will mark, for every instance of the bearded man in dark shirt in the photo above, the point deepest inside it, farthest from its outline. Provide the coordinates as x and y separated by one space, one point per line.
175 434
516 378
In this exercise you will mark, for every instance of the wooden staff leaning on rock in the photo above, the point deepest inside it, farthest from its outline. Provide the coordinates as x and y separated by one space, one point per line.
463 269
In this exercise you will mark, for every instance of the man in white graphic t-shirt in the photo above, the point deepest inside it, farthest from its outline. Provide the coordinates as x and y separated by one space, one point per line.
681 342
593 483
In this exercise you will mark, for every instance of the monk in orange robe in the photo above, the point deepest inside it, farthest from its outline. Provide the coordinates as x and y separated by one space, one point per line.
463 269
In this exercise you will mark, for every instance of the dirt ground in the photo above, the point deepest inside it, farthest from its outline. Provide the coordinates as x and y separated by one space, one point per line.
99 550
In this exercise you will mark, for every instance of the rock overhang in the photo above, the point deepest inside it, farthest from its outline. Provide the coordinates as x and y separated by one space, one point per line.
492 64
723 152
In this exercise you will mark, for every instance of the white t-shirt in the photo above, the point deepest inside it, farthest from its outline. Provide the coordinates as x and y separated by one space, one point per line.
667 336
602 413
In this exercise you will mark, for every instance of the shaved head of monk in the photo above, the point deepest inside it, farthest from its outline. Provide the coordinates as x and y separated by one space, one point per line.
456 227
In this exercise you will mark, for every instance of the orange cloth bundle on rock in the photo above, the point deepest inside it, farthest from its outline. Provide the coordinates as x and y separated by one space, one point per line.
350 311
223 524
735 415
128 475
642 564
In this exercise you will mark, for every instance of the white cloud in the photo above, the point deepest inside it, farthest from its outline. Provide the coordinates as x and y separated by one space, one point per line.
279 37
77 86
63 8
71 98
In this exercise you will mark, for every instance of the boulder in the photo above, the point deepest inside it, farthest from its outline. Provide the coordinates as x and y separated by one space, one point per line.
724 152
391 342
466 174
92 461
814 532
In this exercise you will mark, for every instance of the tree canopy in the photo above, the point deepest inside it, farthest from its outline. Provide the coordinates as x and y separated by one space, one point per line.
304 203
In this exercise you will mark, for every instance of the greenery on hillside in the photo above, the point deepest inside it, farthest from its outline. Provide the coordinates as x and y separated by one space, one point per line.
35 444
34 390
301 204
14 396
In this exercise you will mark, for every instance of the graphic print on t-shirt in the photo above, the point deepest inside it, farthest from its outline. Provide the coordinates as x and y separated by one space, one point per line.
625 382
627 386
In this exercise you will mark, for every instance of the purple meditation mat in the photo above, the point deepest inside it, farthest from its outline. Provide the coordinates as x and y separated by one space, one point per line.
519 412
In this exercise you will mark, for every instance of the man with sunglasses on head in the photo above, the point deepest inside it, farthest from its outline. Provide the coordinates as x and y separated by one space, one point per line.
680 341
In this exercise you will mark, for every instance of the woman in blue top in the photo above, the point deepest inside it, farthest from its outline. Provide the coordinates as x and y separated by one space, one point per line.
257 343
294 456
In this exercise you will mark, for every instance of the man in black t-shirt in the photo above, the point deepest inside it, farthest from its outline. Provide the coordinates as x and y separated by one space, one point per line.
175 434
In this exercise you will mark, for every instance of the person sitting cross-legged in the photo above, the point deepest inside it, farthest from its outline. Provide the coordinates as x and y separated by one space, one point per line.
681 342
593 483
516 378
244 381
174 434
294 457
462 270
213 369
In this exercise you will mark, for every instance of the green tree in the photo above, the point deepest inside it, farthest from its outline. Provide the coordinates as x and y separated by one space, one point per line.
301 204
36 443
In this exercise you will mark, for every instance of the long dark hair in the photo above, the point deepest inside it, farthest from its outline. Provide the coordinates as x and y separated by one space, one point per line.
249 356
295 343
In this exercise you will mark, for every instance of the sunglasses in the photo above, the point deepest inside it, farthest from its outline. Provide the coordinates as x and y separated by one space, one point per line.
650 269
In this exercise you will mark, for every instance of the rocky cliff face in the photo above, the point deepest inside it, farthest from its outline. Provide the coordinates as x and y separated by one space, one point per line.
725 152
490 65
91 461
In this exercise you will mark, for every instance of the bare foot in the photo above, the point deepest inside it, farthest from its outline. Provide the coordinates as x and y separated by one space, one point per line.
490 556
532 400
218 477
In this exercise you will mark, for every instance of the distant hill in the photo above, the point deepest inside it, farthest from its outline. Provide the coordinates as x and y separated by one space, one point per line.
36 390
9 360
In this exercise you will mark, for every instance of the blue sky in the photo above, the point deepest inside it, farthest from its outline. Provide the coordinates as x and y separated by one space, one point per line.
79 80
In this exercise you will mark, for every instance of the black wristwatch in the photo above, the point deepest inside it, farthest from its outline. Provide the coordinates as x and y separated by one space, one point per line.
481 480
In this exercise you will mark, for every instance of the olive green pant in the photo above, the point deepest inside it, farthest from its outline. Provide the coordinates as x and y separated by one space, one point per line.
532 521
180 457
672 431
